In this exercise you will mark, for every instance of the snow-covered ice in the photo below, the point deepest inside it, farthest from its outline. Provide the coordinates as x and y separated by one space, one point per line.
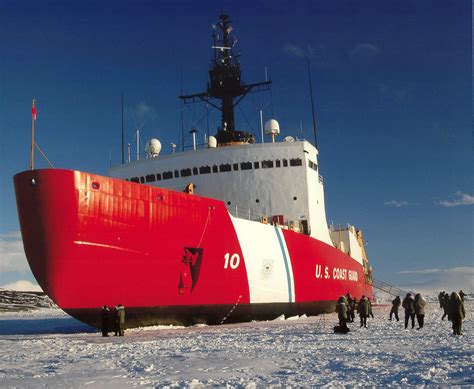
48 348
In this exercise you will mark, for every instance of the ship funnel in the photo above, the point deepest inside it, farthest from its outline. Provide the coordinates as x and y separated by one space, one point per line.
212 142
153 148
272 128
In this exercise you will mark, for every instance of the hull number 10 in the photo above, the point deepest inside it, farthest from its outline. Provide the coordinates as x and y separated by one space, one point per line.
231 260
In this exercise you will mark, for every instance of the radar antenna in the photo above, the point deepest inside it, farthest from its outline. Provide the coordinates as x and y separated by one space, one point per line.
225 84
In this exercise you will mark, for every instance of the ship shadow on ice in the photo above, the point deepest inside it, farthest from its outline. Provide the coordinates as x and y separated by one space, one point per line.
56 325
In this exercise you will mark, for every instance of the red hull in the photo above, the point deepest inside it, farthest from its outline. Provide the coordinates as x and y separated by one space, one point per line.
92 240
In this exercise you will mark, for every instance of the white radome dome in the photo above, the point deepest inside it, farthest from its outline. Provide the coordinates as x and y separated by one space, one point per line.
153 148
212 142
272 127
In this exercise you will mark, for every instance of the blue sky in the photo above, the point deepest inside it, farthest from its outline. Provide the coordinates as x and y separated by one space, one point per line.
392 88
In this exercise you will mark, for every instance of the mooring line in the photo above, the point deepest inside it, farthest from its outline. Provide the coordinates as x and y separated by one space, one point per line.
232 310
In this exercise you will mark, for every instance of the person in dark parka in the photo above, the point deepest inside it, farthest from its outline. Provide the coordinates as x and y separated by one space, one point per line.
353 309
116 321
445 306
104 320
409 305
395 305
441 299
456 312
462 294
121 319
342 314
420 303
363 310
349 305
371 313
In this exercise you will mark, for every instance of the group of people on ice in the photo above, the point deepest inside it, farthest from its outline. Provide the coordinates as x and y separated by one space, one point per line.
346 308
453 307
413 307
118 318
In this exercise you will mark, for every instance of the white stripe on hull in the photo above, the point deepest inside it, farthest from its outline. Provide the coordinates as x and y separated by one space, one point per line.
267 261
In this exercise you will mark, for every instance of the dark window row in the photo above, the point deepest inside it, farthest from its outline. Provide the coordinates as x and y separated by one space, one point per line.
313 165
225 167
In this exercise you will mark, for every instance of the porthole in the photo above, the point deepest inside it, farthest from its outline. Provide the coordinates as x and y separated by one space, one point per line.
95 185
257 201
229 203
295 198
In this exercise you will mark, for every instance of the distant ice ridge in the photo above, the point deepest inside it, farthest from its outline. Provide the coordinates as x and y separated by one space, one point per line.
22 286
298 353
16 301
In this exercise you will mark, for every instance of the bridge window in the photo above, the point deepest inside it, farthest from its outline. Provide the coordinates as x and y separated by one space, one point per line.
135 179
277 163
235 166
176 173
204 170
185 172
312 165
256 165
246 166
215 169
296 162
267 164
142 180
225 167
158 176
285 163
167 175
195 171
150 178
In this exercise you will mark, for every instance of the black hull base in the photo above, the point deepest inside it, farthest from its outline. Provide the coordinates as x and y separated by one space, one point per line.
203 314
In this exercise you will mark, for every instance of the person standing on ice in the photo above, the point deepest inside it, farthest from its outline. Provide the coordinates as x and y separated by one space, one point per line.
456 312
342 314
350 301
445 306
353 309
121 319
462 294
371 313
395 305
420 303
409 305
116 321
363 310
104 320
441 299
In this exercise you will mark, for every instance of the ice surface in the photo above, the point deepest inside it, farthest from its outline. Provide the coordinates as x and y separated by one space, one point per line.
48 348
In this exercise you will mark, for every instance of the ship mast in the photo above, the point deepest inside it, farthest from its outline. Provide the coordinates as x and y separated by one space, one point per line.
225 84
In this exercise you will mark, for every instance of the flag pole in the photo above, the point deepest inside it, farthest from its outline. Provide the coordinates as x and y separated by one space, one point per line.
32 151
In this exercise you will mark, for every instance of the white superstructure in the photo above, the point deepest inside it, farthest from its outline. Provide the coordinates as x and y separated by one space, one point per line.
278 181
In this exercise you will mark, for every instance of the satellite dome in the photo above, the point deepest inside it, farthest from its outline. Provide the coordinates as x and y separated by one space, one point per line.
153 148
289 139
212 142
272 127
